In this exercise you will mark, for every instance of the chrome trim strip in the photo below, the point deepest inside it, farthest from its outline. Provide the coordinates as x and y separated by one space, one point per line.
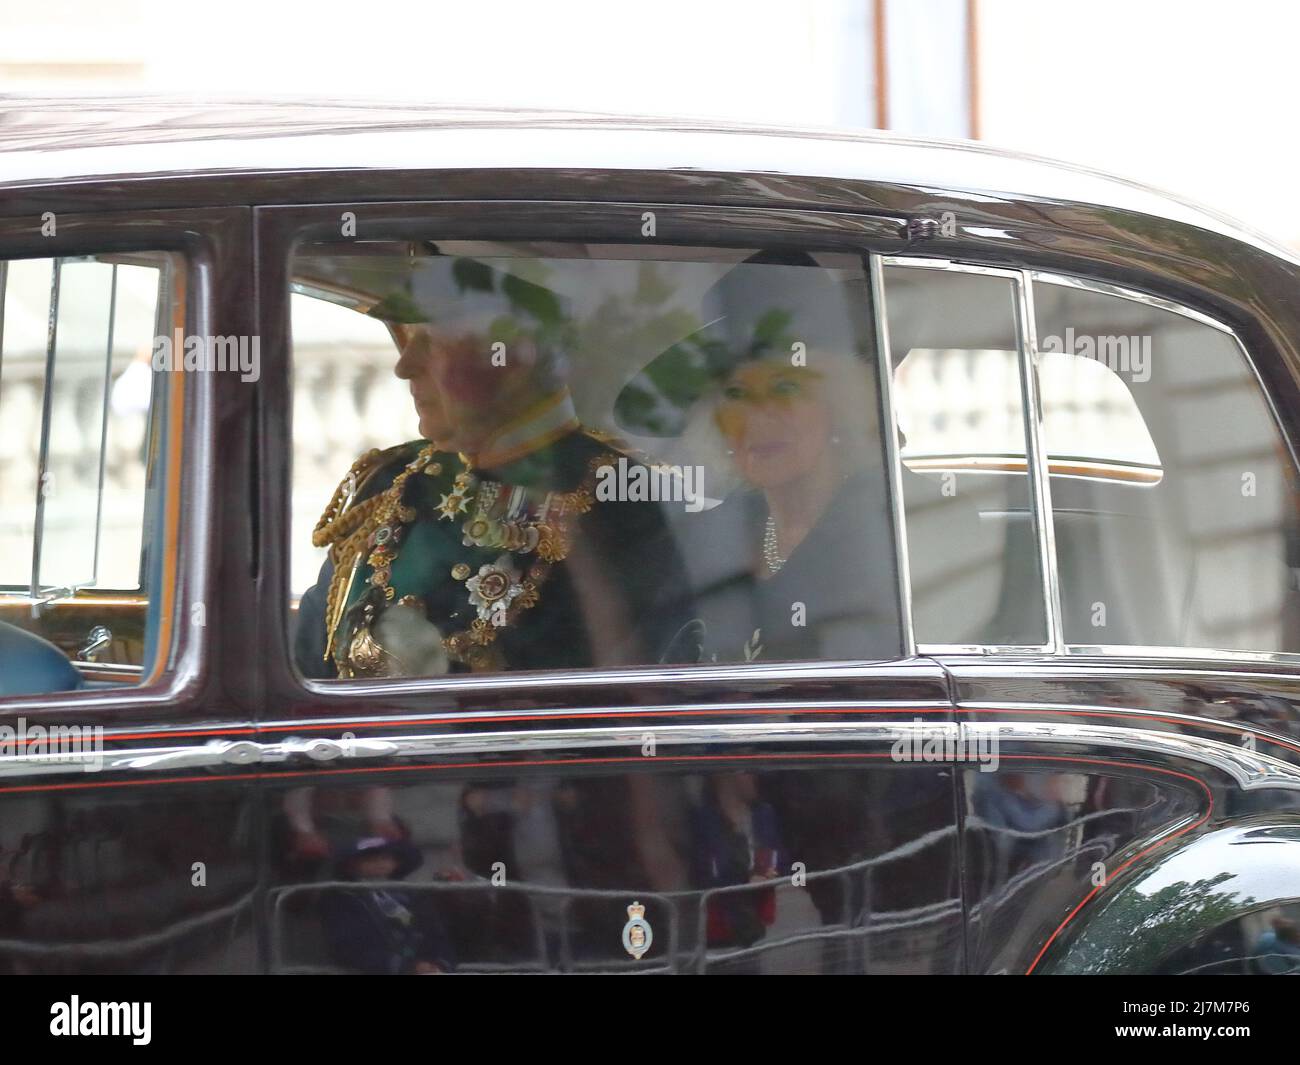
187 656
1279 423
103 424
918 261
921 263
991 650
43 458
122 669
1108 289
1249 769
4 288
1238 727
893 461
1187 654
1039 474
540 681
906 707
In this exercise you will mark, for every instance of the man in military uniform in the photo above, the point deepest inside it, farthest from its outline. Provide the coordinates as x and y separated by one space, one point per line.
482 546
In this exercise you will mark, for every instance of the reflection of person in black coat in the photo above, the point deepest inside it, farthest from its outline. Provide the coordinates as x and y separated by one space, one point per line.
378 929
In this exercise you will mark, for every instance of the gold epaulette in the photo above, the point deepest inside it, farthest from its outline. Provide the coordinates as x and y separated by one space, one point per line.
343 514
346 525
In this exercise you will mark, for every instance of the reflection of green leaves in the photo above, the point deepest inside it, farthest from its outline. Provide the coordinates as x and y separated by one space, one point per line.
536 301
636 405
770 332
659 399
541 303
398 307
505 328
471 275
680 374
534 310
652 290
1133 932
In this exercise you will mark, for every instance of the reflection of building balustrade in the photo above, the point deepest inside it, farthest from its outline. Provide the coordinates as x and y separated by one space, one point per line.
118 948
970 401
869 935
73 472
76 412
853 924
345 402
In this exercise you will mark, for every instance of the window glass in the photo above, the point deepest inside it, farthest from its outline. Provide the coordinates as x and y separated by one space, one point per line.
972 544
1190 538
571 456
80 437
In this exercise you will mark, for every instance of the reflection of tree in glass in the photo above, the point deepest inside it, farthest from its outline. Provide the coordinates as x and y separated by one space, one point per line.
1135 931
680 356
535 311
659 398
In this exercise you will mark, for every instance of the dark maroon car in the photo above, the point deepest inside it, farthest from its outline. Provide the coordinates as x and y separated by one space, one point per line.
472 541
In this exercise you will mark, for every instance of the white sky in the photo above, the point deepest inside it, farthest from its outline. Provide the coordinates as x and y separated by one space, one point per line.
1193 95
1197 96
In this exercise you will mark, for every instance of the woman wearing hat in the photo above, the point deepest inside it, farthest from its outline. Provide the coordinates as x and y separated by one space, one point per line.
777 394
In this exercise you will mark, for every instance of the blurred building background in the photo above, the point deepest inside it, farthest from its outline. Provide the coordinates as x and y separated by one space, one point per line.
1179 93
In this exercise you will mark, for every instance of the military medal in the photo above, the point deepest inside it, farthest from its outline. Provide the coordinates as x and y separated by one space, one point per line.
493 589
501 518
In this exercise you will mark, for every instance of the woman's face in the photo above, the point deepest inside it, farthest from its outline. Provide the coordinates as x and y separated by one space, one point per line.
776 421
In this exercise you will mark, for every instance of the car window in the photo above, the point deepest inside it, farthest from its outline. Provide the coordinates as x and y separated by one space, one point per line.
572 456
82 427
1189 538
971 536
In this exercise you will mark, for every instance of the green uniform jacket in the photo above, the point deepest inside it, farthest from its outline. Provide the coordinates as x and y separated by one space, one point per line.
618 598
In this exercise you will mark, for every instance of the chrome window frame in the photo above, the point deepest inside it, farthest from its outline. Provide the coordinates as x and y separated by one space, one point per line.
1054 648
195 239
860 234
1035 456
1029 357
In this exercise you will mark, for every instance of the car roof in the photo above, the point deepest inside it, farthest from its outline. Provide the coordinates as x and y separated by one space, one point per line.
49 140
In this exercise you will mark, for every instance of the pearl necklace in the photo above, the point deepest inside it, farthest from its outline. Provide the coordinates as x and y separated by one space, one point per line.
771 555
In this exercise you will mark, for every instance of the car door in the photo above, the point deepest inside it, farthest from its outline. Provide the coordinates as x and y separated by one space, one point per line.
128 841
1140 685
770 798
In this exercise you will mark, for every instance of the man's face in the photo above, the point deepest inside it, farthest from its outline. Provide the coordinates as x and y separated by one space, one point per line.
415 365
461 386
